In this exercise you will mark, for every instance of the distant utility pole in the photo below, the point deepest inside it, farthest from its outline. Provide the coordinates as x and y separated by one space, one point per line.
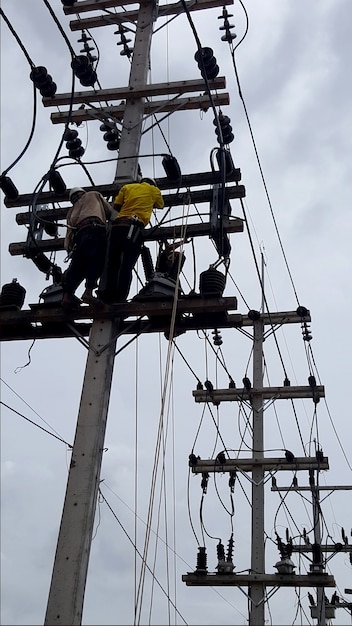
66 595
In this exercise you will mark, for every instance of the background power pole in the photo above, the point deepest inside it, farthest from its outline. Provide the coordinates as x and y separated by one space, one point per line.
257 590
66 595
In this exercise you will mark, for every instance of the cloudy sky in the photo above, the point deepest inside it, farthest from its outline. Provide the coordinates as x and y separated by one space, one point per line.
294 69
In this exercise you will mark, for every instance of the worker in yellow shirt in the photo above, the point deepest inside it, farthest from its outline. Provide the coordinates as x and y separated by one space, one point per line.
134 204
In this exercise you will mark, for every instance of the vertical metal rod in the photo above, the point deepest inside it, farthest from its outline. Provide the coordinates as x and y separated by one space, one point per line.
257 590
66 594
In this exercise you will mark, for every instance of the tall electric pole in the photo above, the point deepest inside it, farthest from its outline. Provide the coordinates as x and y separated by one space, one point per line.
66 595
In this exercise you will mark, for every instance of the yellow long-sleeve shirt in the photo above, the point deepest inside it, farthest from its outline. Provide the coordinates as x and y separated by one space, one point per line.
138 199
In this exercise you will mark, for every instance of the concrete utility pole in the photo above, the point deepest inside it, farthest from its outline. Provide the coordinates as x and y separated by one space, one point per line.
66 595
256 590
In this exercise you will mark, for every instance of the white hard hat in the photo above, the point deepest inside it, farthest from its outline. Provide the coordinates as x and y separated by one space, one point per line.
75 190
151 181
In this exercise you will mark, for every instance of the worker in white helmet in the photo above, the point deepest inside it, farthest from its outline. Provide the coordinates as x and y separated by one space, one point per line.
134 204
86 244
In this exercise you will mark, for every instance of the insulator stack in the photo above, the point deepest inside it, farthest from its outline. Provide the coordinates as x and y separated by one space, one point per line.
86 47
73 143
226 135
217 338
57 182
12 295
211 283
8 187
228 36
111 135
306 333
126 50
230 547
201 560
43 81
220 551
232 384
147 262
171 168
207 63
84 70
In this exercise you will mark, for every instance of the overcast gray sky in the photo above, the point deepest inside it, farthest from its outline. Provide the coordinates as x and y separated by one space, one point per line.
294 67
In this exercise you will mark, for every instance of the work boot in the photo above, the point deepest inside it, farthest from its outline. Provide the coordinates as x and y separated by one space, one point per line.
88 298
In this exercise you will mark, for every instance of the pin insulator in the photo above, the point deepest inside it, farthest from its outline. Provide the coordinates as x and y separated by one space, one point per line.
221 458
312 382
246 383
12 295
8 187
224 158
302 311
209 386
193 460
201 561
57 182
217 338
50 227
212 282
227 26
220 551
253 315
147 262
171 168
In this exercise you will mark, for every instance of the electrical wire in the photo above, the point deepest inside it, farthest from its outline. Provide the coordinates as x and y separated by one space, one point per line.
34 424
141 556
34 117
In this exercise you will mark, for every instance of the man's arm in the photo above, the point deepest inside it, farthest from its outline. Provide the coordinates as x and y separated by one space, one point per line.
158 200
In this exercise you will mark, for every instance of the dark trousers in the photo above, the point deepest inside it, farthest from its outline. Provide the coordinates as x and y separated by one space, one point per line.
87 261
124 248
